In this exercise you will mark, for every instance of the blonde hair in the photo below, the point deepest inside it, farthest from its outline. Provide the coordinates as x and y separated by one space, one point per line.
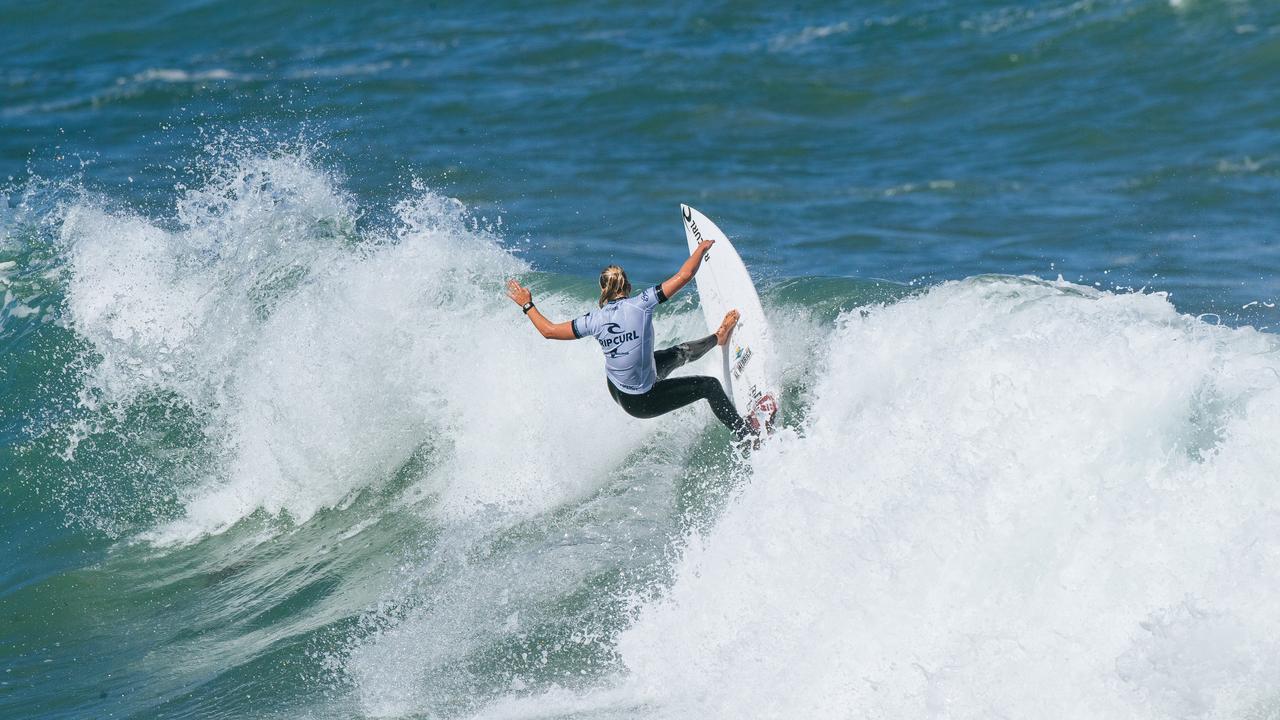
613 284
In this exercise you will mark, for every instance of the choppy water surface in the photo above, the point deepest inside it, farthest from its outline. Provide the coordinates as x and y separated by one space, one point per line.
273 443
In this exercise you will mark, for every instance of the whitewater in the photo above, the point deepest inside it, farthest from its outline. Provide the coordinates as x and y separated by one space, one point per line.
315 435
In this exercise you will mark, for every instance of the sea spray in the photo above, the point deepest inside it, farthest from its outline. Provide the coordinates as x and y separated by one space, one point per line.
323 358
344 427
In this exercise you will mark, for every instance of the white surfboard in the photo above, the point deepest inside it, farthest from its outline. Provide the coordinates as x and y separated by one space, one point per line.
723 285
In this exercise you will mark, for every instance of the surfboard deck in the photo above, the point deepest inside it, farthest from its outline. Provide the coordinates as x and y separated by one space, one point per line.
723 285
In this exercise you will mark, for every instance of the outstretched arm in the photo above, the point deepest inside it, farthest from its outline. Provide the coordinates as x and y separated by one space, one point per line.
549 330
687 271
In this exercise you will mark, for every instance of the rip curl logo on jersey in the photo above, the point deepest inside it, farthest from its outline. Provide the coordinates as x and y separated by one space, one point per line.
613 343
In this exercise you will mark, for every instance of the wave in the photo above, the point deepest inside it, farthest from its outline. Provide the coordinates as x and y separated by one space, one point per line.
1009 497
1012 498
306 421
1004 496
322 357
993 496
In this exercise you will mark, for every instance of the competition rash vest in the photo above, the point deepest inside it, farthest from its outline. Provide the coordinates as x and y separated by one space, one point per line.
624 329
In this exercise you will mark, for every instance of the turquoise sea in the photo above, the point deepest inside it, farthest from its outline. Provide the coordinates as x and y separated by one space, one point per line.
274 444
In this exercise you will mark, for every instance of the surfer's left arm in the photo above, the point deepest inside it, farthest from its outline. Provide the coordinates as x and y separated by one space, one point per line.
686 271
552 331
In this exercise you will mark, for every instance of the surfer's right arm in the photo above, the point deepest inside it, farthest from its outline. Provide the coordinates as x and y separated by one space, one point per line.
687 271
552 331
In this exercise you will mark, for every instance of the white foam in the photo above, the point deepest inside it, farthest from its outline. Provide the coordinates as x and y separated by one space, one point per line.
323 358
1014 499
418 661
176 75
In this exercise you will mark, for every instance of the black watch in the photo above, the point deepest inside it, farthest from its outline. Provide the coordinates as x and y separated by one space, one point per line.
527 307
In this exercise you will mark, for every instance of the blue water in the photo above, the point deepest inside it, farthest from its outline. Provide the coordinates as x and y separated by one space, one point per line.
1118 142
273 444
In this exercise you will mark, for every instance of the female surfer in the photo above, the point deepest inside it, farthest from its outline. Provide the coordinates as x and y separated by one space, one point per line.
623 325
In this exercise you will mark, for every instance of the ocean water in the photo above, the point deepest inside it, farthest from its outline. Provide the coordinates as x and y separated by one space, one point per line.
274 444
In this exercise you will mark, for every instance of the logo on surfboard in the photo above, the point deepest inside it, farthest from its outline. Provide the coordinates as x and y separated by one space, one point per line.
693 226
741 356
763 412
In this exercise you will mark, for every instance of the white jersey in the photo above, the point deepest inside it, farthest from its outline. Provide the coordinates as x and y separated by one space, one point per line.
624 329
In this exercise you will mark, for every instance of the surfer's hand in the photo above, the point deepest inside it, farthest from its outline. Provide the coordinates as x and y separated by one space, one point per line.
520 295
705 245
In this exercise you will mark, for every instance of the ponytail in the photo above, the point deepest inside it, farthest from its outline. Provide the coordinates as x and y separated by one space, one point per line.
613 284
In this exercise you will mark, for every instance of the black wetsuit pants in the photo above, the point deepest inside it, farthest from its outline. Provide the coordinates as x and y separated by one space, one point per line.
667 395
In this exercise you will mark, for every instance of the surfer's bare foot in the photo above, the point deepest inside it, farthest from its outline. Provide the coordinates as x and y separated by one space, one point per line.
726 327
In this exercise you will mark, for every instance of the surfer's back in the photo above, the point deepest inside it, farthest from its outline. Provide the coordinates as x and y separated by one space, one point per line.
624 329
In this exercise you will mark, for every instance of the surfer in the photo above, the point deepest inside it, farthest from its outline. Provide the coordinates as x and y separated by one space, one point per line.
635 373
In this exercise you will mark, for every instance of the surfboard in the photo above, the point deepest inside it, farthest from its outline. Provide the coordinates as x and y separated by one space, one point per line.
723 285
